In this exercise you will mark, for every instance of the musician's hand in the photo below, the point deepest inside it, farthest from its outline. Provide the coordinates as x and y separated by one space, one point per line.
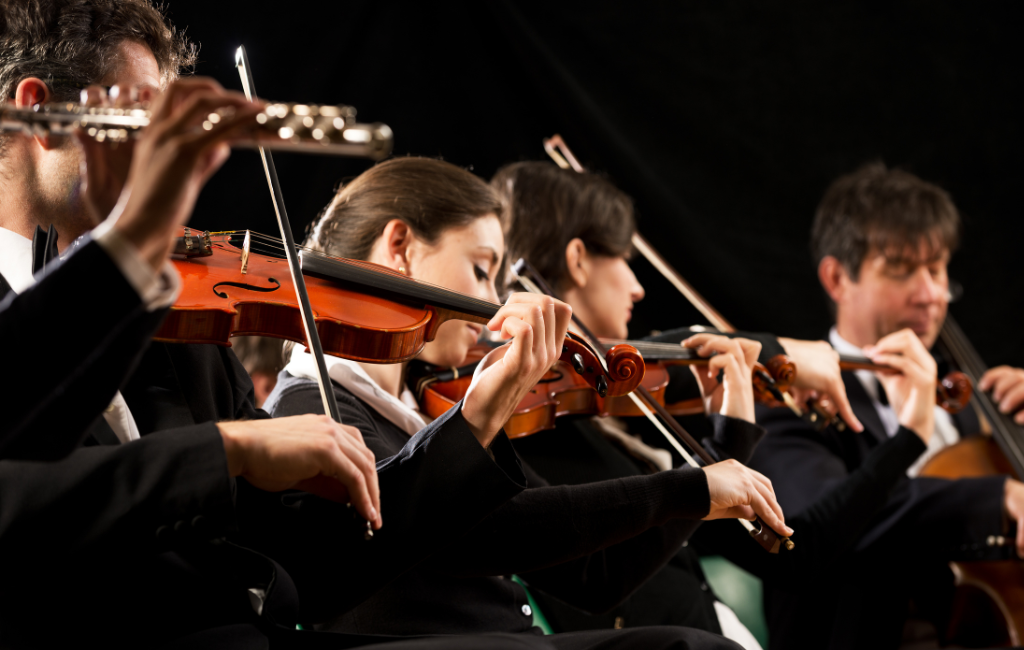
818 377
1013 504
734 360
738 492
305 452
171 161
911 389
537 325
104 168
1007 386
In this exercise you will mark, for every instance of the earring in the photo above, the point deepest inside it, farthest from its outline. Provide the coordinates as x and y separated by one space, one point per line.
401 270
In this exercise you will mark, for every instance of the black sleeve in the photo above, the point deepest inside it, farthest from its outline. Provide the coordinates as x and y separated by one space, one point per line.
591 544
732 438
142 496
434 489
829 526
68 339
872 506
770 346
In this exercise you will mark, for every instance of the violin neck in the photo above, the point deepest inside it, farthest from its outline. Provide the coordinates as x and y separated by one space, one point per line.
653 351
854 362
396 286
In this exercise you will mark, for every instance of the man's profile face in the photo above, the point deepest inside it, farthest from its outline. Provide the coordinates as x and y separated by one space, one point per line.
134 65
898 289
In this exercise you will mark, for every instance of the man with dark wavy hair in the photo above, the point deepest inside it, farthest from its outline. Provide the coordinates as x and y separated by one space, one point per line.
882 239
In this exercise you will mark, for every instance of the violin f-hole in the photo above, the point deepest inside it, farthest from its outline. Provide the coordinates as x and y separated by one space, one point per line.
242 285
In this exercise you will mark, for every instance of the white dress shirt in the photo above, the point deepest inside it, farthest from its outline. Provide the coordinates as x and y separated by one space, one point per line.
403 413
157 290
945 430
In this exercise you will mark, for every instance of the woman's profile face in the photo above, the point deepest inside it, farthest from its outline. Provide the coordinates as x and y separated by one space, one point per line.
604 301
465 259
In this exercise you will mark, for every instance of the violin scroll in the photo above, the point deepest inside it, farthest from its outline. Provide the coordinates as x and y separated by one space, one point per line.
954 392
625 369
783 371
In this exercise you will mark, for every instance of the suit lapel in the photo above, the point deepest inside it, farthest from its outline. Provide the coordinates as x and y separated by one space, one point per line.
864 407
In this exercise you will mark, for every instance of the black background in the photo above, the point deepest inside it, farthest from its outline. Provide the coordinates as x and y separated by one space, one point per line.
724 120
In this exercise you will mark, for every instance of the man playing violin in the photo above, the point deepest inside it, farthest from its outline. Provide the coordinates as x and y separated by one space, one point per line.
882 239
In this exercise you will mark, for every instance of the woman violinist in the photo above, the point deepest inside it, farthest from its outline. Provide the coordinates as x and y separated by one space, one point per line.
576 229
589 544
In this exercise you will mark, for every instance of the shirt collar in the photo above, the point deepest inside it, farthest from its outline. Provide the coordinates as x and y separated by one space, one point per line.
866 377
350 375
16 260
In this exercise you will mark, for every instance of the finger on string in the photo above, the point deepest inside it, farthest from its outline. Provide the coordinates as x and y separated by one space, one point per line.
551 331
1002 382
1012 399
522 342
751 349
508 310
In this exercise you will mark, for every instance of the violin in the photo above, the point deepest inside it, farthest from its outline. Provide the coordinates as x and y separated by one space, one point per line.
559 393
237 284
769 381
953 392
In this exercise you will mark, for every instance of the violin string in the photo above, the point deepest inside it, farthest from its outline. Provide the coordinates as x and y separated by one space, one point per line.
1003 427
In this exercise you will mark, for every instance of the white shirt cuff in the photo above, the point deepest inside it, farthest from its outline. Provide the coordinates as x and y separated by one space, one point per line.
157 290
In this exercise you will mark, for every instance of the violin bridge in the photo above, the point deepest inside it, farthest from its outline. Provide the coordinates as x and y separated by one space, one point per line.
245 251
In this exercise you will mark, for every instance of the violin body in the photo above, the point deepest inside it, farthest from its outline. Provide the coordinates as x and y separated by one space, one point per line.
363 311
222 296
562 391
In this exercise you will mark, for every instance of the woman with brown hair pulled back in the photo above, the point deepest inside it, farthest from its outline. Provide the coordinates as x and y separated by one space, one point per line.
589 544
576 230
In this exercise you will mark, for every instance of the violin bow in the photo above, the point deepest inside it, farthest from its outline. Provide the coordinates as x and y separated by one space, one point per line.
559 152
294 265
527 276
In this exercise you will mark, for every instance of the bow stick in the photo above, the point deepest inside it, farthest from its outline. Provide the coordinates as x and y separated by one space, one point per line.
559 152
527 276
294 266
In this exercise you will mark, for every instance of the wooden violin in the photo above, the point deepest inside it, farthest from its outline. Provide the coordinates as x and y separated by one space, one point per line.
953 392
237 284
768 381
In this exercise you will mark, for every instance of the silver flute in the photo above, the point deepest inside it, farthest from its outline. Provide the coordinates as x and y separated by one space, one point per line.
304 128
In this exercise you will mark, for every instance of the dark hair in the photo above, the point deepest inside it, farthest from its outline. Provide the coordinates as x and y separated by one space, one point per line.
70 44
546 207
890 211
428 195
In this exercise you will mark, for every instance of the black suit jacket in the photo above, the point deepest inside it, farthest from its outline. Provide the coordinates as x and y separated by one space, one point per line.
924 523
72 338
136 544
